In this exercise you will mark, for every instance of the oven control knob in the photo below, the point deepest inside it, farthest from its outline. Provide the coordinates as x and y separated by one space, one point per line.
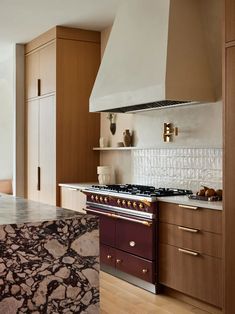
101 199
119 202
134 204
129 204
106 200
123 202
92 197
132 243
141 206
96 198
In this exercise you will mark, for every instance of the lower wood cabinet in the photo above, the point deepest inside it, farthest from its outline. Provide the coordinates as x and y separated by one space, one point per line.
199 275
190 251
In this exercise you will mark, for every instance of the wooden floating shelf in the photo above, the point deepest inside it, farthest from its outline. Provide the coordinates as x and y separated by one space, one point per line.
114 148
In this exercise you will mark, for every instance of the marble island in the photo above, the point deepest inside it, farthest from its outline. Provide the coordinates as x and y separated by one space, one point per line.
49 259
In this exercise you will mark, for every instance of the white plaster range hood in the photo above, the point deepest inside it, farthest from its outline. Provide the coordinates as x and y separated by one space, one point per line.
156 56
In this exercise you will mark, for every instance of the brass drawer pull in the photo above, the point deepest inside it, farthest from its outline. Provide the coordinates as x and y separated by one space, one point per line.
144 271
188 229
109 256
188 252
118 261
132 243
188 207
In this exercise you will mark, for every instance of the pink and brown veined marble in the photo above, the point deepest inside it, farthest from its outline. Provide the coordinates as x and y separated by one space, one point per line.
50 267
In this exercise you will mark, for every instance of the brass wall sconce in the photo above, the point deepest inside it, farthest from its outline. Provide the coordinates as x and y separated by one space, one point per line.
169 132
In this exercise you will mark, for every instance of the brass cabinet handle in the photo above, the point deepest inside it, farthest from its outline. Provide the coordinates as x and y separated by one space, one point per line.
188 207
118 261
98 212
109 256
188 229
143 222
188 252
144 271
132 243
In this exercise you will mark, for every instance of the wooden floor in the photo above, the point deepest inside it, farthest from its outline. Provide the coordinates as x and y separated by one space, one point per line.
120 297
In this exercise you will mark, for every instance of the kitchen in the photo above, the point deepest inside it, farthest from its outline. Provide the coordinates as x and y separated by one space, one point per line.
195 152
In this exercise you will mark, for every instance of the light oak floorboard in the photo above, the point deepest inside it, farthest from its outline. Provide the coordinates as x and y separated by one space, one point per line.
120 297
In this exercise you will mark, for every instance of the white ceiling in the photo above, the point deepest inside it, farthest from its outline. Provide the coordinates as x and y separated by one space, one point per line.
22 20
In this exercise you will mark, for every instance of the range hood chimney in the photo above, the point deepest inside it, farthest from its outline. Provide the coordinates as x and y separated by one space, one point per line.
156 56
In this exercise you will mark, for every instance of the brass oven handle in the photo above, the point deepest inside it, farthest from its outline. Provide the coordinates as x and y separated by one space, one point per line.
188 252
143 222
98 212
188 207
188 229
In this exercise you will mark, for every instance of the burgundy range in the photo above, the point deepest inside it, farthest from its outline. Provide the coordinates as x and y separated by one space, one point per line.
128 230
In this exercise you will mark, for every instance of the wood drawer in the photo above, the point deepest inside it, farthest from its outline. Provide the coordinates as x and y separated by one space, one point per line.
201 218
135 266
192 239
198 276
107 255
135 238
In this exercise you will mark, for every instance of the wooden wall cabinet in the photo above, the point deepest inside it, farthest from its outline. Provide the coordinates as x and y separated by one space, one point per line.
190 251
61 67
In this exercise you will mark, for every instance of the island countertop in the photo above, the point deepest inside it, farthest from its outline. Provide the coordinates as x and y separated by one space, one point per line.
16 210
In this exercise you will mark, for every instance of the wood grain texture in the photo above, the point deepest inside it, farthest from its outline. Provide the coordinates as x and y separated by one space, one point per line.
47 150
229 180
199 276
72 199
32 74
202 218
202 241
77 34
47 64
230 20
41 40
77 129
120 297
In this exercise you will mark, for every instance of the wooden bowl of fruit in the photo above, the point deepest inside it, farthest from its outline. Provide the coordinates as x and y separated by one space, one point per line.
207 194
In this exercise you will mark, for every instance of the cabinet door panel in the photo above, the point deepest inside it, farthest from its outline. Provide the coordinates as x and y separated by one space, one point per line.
198 276
135 266
230 20
107 255
72 199
32 149
47 150
135 238
32 74
48 68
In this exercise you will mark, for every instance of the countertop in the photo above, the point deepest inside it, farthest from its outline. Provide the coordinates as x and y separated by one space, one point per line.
16 210
184 200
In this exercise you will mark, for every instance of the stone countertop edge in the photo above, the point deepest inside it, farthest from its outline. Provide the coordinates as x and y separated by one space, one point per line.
16 210
184 200
78 186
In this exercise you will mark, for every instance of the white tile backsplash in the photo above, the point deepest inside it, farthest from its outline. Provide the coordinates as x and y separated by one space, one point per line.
187 168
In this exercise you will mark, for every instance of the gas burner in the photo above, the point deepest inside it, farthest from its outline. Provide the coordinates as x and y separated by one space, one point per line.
141 190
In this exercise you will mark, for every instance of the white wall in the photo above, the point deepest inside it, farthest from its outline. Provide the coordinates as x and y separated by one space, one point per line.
6 110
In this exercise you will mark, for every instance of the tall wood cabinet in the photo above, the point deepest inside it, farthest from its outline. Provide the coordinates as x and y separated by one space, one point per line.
229 153
61 67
